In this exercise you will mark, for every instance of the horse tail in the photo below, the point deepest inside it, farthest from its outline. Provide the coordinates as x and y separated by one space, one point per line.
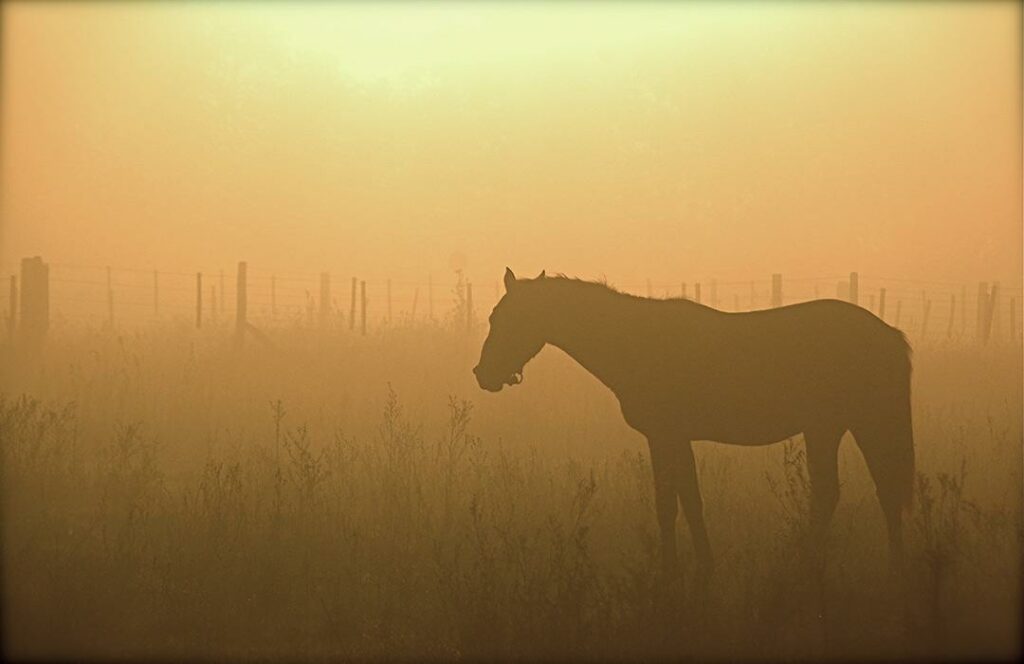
903 435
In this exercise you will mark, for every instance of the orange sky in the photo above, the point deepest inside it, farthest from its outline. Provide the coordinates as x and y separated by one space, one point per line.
669 141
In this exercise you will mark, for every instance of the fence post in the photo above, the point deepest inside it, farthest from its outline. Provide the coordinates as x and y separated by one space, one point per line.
199 300
362 315
982 304
990 312
156 294
881 303
963 311
35 301
325 298
469 307
952 316
696 292
996 323
241 303
854 287
649 292
682 289
12 303
714 293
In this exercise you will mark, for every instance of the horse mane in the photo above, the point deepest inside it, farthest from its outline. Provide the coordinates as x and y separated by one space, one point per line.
601 285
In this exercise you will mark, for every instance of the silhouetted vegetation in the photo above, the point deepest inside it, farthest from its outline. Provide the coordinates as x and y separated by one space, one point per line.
166 495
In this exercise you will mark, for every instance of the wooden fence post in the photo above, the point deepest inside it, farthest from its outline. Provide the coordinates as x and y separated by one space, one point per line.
696 292
241 303
990 313
980 313
682 289
776 290
325 298
996 323
110 302
881 303
12 303
952 316
854 287
469 307
362 288
963 311
199 300
35 301
352 308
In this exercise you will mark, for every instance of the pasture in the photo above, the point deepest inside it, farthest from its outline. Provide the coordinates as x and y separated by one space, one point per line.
169 495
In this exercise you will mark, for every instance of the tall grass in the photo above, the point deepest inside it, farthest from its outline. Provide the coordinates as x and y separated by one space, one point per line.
167 497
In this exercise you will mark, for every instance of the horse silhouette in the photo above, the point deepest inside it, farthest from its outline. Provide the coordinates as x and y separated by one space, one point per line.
683 371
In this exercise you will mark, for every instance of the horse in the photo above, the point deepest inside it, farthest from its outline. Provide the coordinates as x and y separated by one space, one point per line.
683 371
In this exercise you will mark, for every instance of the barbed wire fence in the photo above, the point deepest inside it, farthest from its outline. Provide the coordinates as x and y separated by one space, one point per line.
255 298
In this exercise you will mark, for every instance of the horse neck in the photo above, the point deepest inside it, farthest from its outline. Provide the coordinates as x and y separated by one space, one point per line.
590 328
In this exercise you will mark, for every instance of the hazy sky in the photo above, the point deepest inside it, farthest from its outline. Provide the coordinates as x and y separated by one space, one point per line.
667 140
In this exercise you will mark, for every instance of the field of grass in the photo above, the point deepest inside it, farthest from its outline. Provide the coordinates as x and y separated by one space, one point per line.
166 495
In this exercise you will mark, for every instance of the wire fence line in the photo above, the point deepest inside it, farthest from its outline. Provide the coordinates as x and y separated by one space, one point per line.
124 296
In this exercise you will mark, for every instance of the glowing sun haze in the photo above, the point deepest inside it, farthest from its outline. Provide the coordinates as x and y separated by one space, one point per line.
669 141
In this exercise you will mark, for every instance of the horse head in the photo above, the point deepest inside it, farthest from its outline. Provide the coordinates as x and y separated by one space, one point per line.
515 336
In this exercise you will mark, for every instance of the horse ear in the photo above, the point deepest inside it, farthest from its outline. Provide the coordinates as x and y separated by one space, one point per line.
510 280
543 273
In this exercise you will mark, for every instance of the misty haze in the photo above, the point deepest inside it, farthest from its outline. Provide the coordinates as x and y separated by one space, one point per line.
526 331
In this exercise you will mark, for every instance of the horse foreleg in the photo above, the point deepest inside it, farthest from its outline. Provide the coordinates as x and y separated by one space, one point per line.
664 463
693 505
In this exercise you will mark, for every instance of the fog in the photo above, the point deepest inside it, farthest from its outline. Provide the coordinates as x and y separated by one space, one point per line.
654 141
268 391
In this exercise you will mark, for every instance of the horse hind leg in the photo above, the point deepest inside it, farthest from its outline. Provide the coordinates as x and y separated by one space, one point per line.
822 446
888 447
